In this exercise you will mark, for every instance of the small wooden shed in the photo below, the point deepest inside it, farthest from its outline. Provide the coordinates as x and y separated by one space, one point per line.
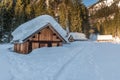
42 31
104 38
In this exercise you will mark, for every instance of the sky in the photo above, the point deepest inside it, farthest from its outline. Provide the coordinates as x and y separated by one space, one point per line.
89 2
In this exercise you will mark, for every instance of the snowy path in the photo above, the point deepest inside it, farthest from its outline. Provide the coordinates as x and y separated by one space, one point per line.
81 64
61 70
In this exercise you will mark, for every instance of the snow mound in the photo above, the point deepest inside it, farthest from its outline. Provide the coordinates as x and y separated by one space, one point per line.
78 36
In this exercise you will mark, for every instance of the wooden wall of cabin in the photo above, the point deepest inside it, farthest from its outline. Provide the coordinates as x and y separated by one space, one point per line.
45 35
38 40
21 47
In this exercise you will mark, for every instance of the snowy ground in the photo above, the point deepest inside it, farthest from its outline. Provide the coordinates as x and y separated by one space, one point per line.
75 61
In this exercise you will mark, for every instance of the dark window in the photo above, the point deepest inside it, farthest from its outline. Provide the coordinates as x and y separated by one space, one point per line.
39 33
57 37
58 44
49 44
33 37
48 27
54 34
30 47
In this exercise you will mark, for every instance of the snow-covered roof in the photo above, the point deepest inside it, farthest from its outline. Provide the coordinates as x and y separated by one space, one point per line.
30 27
78 36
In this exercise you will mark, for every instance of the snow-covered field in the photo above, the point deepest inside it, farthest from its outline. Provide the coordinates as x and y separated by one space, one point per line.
75 61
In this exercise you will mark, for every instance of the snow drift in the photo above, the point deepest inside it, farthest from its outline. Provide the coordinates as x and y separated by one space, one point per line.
75 61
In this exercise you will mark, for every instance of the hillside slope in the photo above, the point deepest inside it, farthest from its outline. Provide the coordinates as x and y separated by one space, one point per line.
105 16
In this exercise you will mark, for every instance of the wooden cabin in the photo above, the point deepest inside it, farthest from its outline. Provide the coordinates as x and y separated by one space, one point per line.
47 34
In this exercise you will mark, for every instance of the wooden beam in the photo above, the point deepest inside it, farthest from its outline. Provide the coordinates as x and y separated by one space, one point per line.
46 41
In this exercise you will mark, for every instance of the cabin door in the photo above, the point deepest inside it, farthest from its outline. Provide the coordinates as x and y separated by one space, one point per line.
49 44
30 47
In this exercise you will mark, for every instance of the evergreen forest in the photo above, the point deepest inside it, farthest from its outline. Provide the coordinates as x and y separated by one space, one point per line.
72 14
69 13
106 20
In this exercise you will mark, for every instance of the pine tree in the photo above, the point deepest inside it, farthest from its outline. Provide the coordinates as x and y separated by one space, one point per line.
19 14
7 13
28 11
74 14
40 8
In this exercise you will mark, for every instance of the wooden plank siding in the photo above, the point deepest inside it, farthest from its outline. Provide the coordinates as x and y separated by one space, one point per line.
21 47
44 38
